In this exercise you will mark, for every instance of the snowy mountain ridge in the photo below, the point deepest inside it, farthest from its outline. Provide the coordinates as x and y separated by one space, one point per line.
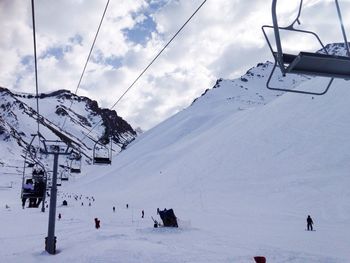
18 120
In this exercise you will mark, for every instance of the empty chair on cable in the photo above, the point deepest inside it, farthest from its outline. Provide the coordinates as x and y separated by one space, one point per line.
64 175
321 64
102 154
75 166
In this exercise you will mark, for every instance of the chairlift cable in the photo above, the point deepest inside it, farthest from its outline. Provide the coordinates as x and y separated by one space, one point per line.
160 52
87 59
149 65
346 43
36 70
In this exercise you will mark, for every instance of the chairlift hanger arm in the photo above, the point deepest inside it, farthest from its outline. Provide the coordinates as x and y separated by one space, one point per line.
296 20
290 27
278 56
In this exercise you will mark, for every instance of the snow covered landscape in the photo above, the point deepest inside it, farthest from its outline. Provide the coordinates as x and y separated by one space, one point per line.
181 141
242 167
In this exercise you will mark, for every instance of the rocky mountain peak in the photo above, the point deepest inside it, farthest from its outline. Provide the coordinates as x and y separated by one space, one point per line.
63 115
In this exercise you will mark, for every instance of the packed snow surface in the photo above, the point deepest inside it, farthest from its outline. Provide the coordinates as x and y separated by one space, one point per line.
241 177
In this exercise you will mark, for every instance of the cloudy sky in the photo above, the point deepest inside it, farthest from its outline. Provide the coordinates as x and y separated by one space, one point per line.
223 40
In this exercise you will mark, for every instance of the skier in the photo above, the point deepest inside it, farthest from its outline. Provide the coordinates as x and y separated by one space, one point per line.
113 209
39 189
143 214
28 188
97 223
59 216
309 223
127 206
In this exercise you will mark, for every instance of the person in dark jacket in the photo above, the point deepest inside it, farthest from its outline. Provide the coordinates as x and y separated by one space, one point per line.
28 189
97 223
40 189
309 223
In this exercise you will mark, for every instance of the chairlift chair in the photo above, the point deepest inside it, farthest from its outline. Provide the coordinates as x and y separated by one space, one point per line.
102 154
313 64
75 165
34 185
64 175
59 182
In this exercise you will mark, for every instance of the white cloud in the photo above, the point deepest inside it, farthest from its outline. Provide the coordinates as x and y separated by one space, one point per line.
224 39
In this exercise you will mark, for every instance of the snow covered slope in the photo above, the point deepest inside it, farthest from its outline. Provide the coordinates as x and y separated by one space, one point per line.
242 167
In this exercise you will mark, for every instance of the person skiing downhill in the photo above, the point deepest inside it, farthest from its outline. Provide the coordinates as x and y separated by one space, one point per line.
309 223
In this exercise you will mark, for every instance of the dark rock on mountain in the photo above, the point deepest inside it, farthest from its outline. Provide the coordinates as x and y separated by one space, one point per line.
64 116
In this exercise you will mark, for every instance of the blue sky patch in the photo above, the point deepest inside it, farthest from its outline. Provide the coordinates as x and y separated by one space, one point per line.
27 60
142 31
114 61
155 5
57 52
77 39
97 57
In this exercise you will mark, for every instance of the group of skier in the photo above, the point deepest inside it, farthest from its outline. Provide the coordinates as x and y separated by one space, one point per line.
35 194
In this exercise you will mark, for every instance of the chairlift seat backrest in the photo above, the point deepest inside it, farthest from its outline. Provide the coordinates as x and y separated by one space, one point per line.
75 170
102 160
287 58
317 64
